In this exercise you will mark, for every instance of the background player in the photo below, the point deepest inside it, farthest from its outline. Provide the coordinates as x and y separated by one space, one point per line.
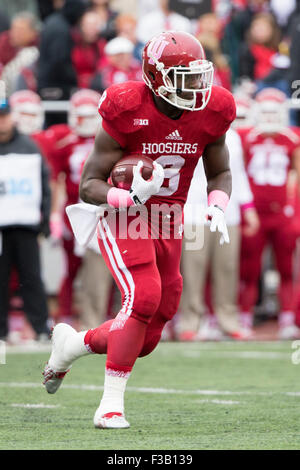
271 149
174 120
65 147
69 146
72 143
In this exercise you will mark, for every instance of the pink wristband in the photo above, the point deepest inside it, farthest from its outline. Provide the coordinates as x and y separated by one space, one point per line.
248 205
218 198
119 198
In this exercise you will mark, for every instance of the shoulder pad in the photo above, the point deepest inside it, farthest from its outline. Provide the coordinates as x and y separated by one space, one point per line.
59 130
62 134
222 108
119 104
293 133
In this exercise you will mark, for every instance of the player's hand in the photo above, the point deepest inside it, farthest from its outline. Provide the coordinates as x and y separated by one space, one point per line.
141 190
216 217
252 222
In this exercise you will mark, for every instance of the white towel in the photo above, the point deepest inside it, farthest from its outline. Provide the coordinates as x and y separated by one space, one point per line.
84 219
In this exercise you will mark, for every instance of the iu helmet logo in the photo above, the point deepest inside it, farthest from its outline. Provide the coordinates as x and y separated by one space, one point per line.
155 49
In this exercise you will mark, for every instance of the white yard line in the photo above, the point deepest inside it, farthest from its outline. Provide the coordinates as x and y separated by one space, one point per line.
219 402
42 405
163 391
238 354
33 405
169 347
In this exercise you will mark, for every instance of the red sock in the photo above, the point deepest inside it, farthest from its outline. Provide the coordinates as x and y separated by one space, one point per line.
125 344
96 339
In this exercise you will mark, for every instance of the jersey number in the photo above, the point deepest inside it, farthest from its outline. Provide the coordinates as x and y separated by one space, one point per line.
172 165
268 168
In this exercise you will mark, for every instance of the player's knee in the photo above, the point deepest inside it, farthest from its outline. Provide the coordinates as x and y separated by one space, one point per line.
171 295
147 300
150 344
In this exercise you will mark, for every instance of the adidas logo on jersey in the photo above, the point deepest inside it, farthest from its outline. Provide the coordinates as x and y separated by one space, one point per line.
174 136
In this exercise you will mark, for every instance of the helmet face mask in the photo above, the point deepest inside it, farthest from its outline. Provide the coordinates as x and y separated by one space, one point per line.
175 68
28 122
84 120
83 115
271 118
182 85
27 111
271 111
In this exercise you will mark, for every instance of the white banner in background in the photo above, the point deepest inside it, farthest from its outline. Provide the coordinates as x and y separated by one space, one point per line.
20 189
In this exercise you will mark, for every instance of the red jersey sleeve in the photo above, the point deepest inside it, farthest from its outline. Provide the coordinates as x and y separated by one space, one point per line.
44 143
221 111
118 106
61 137
47 141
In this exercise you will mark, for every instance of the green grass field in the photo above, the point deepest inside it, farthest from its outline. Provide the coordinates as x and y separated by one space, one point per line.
183 396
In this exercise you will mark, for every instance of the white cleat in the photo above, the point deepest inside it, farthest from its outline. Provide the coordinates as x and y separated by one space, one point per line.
210 333
112 420
54 370
52 379
289 332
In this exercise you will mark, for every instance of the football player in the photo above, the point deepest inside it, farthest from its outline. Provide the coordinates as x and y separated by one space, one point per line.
174 118
271 149
69 146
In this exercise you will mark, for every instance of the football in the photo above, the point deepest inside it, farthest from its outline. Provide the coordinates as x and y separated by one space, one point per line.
122 173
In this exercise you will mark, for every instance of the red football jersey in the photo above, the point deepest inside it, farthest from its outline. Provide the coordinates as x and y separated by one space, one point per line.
268 160
132 119
46 143
66 155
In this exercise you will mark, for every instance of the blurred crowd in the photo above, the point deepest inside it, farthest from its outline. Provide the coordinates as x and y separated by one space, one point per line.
56 59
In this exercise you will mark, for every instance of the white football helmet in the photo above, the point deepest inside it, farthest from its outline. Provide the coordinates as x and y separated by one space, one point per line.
83 115
271 111
27 111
